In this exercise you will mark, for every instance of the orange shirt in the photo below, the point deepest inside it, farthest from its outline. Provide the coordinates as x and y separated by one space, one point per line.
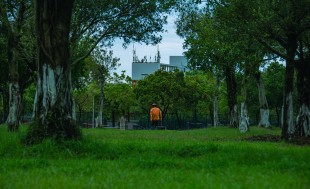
155 114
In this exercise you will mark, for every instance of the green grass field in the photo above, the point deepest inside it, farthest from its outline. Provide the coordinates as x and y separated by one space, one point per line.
109 158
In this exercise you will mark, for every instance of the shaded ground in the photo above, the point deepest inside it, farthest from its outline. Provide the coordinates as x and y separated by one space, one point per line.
276 138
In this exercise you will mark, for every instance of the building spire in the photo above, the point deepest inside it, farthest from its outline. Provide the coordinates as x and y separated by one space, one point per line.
158 54
133 53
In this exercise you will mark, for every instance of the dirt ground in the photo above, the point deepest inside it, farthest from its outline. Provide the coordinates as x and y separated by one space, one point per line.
302 141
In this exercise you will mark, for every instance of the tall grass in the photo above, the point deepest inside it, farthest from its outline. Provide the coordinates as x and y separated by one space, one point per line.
107 158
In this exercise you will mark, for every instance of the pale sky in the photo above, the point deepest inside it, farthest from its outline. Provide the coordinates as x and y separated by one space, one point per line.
171 45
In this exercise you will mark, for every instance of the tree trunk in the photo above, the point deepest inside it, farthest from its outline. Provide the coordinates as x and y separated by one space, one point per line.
303 88
288 123
232 96
244 117
233 116
303 121
99 119
263 104
12 27
278 112
178 119
54 106
215 103
282 117
113 118
5 101
13 119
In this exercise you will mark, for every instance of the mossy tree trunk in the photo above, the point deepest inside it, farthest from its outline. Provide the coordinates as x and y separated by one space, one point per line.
54 108
263 104
288 119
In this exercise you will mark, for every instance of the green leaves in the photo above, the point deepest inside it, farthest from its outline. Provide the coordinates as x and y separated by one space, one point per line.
163 88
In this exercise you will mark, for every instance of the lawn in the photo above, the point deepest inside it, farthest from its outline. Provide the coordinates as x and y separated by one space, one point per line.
109 158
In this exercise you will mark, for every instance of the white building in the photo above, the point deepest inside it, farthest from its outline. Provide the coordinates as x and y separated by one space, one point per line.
143 67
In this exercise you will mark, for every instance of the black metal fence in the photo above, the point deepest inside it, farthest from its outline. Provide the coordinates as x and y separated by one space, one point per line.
87 120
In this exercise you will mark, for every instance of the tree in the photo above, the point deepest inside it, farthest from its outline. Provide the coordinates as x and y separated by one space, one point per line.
211 47
163 88
53 109
104 64
280 27
274 80
13 15
199 91
119 99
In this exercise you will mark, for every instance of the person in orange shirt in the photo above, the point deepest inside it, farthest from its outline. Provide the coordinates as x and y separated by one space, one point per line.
155 116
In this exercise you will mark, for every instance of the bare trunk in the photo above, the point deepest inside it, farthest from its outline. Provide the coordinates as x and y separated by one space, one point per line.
303 121
233 119
13 119
244 118
53 97
282 117
99 119
178 119
113 118
288 124
278 112
215 103
303 88
263 104
54 107
288 115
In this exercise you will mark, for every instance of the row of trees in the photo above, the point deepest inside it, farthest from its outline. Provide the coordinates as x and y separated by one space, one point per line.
222 37
226 36
185 96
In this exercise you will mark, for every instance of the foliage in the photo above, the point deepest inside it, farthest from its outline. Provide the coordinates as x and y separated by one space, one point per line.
84 97
103 65
199 91
151 159
98 23
274 80
120 97
28 97
163 88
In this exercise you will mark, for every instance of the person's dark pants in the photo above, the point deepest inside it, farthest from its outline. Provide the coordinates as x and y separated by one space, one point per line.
154 125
